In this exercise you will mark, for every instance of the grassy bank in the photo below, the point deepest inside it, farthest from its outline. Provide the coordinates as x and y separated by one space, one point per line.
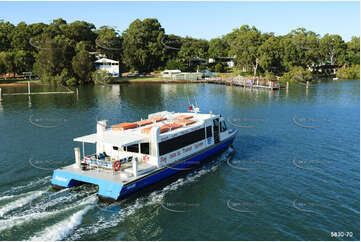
145 80
19 82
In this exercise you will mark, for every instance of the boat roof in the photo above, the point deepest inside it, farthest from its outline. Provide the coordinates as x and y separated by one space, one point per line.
113 138
135 135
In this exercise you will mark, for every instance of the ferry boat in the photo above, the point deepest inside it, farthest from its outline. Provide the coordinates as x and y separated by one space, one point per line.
135 155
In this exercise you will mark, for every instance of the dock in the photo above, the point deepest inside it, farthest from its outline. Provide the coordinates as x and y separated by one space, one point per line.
244 82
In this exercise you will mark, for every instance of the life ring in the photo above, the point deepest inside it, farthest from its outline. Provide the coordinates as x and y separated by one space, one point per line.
116 165
86 157
146 158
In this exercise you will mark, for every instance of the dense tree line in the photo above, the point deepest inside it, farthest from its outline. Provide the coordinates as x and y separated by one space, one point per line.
64 52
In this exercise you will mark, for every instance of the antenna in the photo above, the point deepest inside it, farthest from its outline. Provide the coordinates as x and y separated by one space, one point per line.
195 101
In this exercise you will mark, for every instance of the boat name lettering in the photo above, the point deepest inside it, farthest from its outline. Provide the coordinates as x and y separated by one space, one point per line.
187 149
163 159
198 145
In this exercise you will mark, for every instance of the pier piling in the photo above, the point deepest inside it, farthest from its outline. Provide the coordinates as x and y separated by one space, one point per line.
29 87
1 95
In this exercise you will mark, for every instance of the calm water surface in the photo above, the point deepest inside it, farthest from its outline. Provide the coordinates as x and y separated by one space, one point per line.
294 173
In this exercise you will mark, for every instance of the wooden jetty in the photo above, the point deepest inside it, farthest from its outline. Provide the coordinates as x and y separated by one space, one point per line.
244 82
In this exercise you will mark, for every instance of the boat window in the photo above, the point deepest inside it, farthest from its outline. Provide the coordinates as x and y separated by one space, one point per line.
115 148
216 123
223 126
209 131
181 141
132 148
144 148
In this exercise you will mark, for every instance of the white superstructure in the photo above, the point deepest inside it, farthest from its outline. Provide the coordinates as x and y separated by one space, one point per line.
158 141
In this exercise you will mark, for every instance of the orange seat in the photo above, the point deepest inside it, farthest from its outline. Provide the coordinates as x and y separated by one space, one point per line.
185 122
149 121
146 130
168 127
144 122
158 119
124 126
164 128
184 116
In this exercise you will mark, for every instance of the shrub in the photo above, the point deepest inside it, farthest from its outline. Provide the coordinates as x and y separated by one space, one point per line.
296 74
175 65
352 72
269 75
71 82
101 77
61 79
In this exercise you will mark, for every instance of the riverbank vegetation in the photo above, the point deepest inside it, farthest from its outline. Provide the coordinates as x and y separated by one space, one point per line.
351 73
64 52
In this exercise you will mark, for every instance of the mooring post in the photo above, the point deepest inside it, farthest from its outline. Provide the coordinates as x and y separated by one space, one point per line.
287 85
29 87
307 84
1 95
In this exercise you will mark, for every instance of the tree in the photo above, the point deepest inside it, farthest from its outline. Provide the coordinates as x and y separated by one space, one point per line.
220 67
175 64
270 55
218 48
55 28
83 66
79 31
333 49
20 37
109 42
307 46
24 61
8 59
6 29
172 44
55 55
2 63
352 72
192 51
244 43
36 29
353 51
142 48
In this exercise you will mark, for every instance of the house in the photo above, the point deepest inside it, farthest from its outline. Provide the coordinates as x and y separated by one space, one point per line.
228 60
170 73
108 65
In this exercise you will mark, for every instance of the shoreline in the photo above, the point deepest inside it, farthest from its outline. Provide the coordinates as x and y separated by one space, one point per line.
22 83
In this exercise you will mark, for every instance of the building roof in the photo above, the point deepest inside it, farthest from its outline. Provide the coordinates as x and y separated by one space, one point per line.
173 71
105 60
